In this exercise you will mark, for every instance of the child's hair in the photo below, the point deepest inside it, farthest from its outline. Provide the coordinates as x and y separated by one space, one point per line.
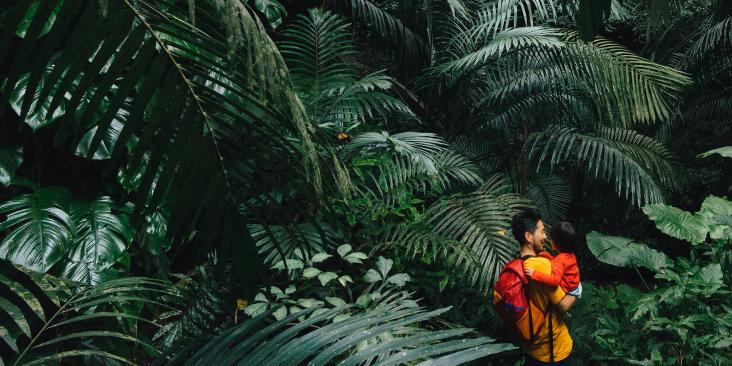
564 237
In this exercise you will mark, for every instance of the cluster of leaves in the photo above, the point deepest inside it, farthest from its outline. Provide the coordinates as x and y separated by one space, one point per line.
685 317
48 231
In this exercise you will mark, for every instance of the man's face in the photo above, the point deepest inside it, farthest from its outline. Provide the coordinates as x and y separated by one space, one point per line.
536 239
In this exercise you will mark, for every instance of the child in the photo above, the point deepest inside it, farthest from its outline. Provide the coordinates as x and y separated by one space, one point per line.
565 272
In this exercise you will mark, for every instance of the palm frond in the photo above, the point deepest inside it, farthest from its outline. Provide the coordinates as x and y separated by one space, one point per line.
395 179
551 194
314 48
479 221
505 14
386 27
319 341
503 42
48 320
636 165
419 147
716 36
276 242
317 47
204 312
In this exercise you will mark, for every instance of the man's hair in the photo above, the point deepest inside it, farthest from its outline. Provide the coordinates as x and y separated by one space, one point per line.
564 237
524 221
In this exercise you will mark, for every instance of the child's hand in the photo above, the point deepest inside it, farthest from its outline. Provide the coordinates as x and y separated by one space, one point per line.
529 271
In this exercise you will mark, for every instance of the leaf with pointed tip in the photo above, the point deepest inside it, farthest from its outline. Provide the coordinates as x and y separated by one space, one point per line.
41 230
623 252
38 116
722 151
678 223
344 249
103 234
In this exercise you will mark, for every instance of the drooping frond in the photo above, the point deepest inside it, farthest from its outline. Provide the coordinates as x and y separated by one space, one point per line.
637 166
551 194
386 27
48 320
479 221
717 36
394 179
420 147
503 42
317 48
319 341
501 15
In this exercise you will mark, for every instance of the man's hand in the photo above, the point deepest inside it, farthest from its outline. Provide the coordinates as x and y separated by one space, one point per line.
529 271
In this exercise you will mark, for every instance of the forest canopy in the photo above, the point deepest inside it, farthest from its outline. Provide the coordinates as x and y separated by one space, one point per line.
287 182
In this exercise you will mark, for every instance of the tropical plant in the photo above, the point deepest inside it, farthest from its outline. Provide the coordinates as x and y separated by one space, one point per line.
319 340
83 238
181 97
47 320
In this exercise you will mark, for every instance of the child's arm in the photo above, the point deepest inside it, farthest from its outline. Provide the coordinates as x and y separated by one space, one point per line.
553 279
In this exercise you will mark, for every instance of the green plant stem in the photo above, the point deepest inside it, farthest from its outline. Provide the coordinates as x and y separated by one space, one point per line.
641 277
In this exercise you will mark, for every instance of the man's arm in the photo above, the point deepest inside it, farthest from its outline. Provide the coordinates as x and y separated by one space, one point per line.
565 304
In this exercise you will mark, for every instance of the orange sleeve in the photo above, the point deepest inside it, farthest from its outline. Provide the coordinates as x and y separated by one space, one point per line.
553 279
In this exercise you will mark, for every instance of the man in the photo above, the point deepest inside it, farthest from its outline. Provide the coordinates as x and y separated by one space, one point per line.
528 229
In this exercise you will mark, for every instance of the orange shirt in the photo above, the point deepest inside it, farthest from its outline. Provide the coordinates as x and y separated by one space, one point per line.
565 272
541 297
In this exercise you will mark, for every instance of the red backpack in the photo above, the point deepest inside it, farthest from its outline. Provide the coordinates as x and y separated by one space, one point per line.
511 302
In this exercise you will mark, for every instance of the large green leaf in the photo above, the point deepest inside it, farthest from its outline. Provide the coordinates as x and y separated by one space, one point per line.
41 231
718 214
103 234
678 223
11 156
624 252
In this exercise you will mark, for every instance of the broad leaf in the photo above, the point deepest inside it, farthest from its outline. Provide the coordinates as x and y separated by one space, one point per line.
41 231
623 252
678 223
103 234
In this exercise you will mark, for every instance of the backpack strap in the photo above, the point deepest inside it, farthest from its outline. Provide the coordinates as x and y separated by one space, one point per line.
551 333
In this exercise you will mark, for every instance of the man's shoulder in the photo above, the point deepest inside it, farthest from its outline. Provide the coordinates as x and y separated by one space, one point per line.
537 261
540 264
